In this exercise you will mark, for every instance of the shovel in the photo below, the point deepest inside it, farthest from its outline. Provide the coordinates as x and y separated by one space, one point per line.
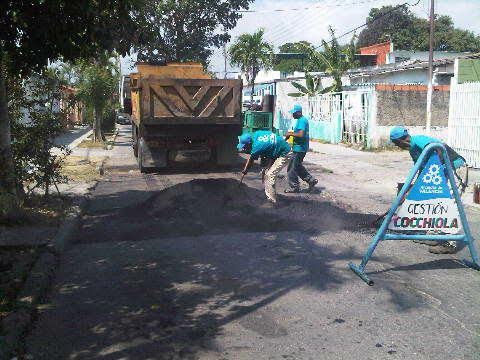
241 180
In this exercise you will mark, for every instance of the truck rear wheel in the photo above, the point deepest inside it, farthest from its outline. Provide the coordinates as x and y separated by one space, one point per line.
140 149
135 140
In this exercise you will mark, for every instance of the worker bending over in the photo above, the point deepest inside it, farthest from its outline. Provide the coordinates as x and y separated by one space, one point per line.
268 145
415 145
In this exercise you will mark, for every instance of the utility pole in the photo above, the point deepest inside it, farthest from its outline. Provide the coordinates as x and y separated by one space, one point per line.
430 69
225 60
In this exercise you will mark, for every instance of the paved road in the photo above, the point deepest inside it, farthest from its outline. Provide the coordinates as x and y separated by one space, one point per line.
192 266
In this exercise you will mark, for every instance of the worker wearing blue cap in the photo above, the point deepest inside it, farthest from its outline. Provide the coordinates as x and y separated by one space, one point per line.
271 146
300 147
415 145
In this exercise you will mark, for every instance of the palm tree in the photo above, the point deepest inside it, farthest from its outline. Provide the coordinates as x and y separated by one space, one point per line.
336 60
252 54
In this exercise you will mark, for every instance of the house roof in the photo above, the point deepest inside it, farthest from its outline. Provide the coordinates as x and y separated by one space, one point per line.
404 66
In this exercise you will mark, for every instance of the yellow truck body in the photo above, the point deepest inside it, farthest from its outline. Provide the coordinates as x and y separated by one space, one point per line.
180 113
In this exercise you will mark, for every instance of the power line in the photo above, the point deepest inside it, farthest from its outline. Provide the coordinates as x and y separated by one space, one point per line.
308 8
369 22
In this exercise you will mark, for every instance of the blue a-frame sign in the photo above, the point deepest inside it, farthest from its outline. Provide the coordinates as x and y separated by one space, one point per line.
427 204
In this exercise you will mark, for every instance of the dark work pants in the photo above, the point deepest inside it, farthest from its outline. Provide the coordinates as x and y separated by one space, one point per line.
296 169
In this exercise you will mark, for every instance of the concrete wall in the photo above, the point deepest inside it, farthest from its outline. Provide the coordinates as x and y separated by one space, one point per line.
380 135
406 105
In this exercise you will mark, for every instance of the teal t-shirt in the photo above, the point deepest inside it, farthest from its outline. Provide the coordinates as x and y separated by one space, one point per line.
419 142
301 144
268 144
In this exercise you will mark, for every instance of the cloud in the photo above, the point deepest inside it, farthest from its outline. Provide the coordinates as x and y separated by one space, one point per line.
312 24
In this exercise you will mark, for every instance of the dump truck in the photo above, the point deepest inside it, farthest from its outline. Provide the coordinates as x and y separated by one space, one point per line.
181 115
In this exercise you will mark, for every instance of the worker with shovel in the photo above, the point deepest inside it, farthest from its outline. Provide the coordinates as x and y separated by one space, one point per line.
415 145
271 146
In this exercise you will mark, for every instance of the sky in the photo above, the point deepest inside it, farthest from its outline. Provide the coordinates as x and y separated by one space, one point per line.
311 20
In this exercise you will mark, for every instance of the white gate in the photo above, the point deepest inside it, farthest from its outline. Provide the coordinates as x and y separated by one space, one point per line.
464 121
356 116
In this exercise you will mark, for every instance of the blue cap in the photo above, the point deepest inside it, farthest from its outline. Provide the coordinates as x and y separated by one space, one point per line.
398 132
243 140
296 108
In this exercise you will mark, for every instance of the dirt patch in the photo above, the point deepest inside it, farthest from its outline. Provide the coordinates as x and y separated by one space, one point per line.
78 168
15 265
22 242
89 143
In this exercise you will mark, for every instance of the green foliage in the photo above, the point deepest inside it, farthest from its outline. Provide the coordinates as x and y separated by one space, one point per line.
409 32
34 31
292 65
335 59
32 141
313 87
252 54
186 30
97 84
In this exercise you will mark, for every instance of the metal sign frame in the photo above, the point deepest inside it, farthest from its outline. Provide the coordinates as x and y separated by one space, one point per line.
382 233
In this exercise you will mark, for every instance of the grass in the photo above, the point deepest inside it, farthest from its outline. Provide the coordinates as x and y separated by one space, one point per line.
77 168
89 143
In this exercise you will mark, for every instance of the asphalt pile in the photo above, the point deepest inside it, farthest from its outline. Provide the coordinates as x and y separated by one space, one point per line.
212 206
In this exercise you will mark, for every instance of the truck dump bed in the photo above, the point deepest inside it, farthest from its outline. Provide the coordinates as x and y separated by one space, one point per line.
177 105
184 94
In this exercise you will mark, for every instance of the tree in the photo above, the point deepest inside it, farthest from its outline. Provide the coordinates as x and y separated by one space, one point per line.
410 32
335 58
186 30
97 82
45 106
313 87
73 29
252 54
289 65
385 24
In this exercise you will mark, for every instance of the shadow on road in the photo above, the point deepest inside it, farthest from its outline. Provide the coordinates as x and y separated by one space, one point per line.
156 277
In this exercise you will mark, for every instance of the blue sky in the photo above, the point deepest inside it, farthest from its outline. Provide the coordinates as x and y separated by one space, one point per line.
311 24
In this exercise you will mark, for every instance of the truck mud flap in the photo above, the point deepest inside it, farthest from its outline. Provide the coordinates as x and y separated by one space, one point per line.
151 158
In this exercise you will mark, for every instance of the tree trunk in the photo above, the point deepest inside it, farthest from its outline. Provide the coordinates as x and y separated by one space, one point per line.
7 174
97 128
251 94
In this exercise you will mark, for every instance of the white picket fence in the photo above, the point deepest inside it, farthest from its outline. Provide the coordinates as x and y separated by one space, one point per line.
464 121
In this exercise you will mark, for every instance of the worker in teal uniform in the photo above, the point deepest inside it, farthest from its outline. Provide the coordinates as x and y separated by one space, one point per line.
415 144
271 146
300 134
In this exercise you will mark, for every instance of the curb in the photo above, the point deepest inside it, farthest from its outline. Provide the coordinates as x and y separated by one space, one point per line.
110 147
38 282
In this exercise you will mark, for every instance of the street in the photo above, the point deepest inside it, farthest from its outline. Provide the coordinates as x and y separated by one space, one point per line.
194 266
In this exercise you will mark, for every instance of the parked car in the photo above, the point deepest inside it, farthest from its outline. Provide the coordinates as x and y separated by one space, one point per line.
123 119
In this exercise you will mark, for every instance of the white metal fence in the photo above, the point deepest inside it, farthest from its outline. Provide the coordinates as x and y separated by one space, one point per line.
356 116
464 121
355 109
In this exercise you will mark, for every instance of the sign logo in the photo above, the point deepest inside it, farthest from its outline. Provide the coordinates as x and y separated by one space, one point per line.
429 205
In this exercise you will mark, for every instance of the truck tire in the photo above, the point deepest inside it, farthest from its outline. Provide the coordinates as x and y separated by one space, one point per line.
134 140
140 146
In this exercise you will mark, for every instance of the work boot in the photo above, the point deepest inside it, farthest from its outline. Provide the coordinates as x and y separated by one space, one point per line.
311 184
428 242
443 249
291 190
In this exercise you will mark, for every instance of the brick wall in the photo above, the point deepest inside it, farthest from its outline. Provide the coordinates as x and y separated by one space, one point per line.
381 50
407 104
